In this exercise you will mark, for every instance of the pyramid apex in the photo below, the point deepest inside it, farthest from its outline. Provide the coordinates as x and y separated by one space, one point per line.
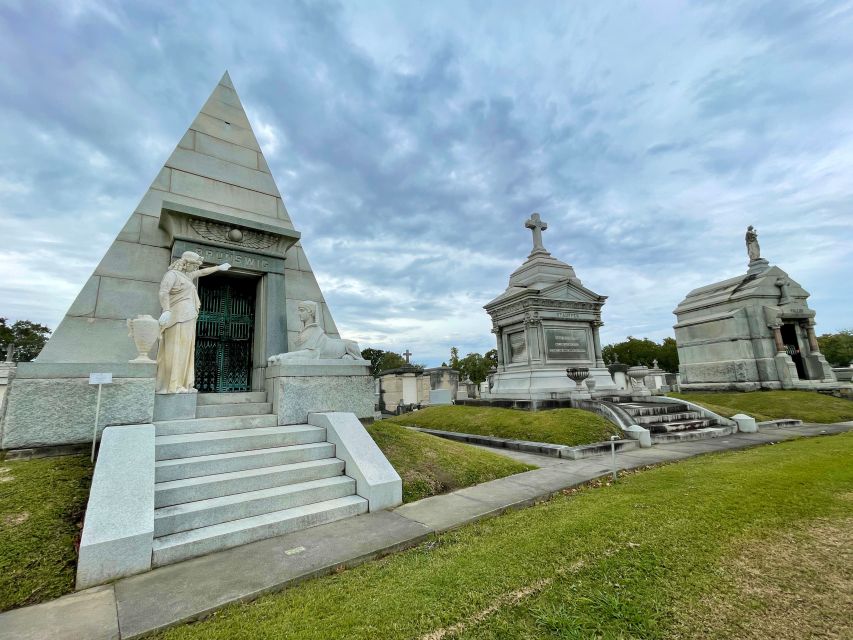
226 80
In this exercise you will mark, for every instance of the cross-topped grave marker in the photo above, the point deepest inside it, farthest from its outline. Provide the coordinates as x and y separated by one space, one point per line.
535 224
407 354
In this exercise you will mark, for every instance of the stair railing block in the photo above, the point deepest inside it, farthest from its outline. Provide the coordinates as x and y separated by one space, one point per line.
375 478
118 533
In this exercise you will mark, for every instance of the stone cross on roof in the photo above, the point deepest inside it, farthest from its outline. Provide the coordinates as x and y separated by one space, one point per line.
407 354
535 224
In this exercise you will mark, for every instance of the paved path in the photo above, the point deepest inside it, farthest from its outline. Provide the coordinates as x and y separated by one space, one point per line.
192 589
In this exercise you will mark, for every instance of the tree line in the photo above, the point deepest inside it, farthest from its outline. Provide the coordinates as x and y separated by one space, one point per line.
28 337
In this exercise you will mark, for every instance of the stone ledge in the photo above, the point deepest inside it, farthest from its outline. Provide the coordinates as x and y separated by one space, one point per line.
39 370
118 533
310 368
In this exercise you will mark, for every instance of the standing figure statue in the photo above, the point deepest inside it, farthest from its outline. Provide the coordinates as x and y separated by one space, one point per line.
180 302
752 247
313 343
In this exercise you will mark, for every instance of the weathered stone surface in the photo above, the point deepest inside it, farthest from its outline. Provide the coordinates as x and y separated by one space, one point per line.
119 299
226 151
207 189
62 410
79 339
118 532
175 406
134 261
84 303
223 171
294 397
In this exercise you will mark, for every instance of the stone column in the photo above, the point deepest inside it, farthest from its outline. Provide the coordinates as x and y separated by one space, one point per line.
813 345
500 346
777 337
596 342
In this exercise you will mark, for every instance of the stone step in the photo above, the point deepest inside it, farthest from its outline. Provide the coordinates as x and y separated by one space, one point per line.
198 542
681 425
199 425
692 434
203 513
191 445
648 409
231 410
205 399
181 468
669 417
224 484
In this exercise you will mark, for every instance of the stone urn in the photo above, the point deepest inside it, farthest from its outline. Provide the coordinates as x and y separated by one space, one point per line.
144 330
590 384
578 374
637 374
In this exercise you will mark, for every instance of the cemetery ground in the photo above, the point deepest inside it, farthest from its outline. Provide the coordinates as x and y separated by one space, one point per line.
569 427
41 512
749 544
807 406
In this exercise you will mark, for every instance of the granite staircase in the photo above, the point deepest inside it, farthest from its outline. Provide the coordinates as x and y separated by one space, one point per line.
232 476
672 422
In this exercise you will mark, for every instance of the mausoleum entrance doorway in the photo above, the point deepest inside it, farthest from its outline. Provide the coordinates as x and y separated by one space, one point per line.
225 333
792 348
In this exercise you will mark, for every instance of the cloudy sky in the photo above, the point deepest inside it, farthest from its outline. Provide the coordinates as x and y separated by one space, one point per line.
411 140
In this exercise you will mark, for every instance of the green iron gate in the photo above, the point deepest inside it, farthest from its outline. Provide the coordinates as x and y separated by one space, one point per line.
223 346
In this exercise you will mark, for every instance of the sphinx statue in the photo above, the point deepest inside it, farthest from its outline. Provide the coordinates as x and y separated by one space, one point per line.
313 343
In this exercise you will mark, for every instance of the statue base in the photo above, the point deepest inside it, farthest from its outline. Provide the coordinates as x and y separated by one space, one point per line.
299 387
759 265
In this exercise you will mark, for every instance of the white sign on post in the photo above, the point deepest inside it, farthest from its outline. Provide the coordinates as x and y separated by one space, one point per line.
98 379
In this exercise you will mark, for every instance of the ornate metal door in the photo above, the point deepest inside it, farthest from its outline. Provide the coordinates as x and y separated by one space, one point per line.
226 322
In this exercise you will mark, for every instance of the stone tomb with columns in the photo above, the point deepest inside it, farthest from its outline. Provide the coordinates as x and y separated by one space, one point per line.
545 322
753 331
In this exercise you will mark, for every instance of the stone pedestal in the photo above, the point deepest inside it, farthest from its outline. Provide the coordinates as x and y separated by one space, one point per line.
301 387
174 406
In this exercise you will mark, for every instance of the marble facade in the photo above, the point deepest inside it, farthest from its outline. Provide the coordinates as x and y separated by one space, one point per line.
545 322
753 331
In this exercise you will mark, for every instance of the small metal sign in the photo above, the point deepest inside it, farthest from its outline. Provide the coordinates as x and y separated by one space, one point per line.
100 378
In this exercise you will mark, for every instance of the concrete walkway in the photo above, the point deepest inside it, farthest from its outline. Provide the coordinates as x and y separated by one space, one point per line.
190 590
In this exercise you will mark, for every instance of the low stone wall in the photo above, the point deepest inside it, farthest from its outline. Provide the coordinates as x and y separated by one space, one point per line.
50 405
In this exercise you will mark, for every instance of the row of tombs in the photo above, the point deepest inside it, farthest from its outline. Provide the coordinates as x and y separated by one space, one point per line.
215 197
249 422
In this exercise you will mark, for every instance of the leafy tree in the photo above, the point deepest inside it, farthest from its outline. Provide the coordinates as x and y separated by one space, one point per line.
391 360
29 339
492 356
668 355
375 357
636 351
837 348
474 367
454 358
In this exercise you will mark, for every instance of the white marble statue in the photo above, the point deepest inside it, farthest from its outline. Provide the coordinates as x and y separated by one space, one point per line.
752 247
313 343
180 303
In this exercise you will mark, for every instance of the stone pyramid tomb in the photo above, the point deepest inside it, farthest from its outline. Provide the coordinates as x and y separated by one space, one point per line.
215 196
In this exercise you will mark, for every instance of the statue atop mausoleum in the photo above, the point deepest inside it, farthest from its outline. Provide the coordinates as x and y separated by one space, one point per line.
752 248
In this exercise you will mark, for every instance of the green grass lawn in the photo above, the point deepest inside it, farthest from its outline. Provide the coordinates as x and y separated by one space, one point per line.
429 465
646 558
807 406
557 426
41 510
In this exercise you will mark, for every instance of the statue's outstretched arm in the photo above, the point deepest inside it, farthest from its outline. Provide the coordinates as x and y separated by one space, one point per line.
207 271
